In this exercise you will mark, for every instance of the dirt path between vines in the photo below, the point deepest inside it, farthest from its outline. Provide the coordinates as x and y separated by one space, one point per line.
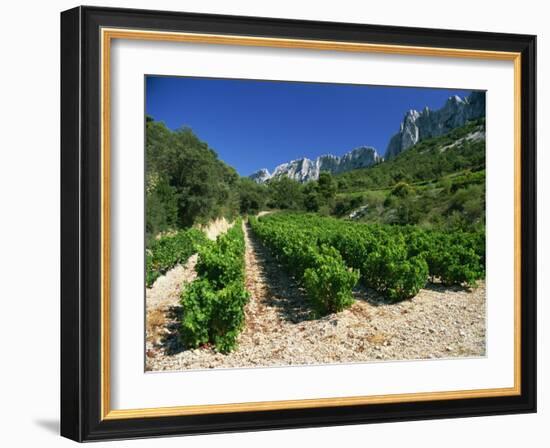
438 323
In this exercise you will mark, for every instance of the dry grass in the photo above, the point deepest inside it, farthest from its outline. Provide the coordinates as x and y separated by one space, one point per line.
156 322
378 338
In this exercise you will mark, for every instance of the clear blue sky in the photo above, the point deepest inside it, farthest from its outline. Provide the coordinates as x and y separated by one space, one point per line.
260 124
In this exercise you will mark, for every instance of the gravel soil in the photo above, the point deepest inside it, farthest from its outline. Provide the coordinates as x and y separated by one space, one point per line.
439 322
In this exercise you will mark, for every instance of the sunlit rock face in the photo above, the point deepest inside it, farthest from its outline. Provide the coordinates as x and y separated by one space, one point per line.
304 169
417 126
260 176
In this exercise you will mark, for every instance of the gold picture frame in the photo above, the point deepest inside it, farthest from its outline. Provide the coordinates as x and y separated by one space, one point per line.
108 30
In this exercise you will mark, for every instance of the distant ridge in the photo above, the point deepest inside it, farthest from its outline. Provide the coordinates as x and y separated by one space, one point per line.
304 169
415 127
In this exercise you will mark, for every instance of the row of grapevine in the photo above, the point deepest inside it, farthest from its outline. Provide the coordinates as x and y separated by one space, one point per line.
213 304
167 251
397 261
455 258
321 269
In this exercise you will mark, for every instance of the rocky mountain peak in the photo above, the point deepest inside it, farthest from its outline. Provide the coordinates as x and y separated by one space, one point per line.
304 169
455 99
414 127
260 176
417 126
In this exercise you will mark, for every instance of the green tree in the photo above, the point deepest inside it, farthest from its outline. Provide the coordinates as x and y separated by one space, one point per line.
162 207
312 201
402 190
285 193
252 196
186 182
326 187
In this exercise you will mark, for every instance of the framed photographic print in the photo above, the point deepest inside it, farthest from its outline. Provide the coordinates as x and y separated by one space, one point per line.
273 223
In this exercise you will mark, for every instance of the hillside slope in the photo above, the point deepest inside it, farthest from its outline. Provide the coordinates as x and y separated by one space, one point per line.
460 149
438 182
185 181
417 126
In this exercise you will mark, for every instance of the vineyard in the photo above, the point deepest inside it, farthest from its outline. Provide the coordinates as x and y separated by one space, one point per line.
169 250
329 256
277 278
356 262
213 305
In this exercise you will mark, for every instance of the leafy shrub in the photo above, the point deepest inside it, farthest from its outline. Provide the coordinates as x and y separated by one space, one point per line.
395 260
329 282
402 190
227 317
212 316
223 262
197 301
213 305
392 273
167 251
455 264
454 258
326 278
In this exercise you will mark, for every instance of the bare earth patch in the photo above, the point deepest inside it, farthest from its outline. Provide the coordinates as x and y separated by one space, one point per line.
438 323
215 227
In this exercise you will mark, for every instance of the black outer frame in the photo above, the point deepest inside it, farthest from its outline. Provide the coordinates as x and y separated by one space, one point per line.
80 223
